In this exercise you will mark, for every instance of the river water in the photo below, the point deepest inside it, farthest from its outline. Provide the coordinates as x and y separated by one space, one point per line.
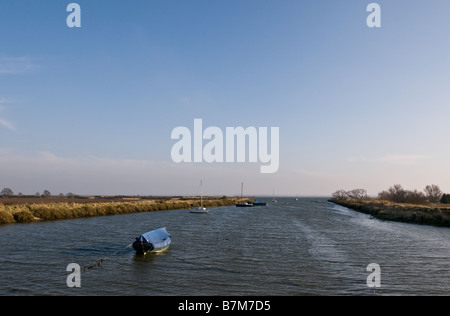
304 247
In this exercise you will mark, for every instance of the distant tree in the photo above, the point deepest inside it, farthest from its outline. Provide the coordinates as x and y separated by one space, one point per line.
357 194
384 195
416 197
7 192
46 193
397 194
20 194
394 194
340 195
433 193
37 194
70 195
445 198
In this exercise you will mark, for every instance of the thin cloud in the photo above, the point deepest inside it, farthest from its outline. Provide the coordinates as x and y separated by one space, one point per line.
4 122
7 124
395 159
16 65
403 159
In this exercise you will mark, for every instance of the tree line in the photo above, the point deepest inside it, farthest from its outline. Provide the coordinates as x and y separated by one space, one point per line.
430 194
7 192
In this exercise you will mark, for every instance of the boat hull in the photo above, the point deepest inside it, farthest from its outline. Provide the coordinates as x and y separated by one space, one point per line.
152 242
200 210
244 205
142 248
161 249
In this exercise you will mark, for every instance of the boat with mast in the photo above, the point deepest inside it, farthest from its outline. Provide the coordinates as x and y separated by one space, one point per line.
249 204
246 204
200 209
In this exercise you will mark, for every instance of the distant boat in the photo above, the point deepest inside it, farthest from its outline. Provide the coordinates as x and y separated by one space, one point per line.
200 209
274 200
246 204
257 203
154 241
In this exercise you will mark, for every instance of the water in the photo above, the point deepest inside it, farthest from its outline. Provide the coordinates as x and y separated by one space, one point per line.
305 247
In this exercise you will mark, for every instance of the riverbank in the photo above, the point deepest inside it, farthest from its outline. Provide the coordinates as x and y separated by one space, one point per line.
436 215
27 211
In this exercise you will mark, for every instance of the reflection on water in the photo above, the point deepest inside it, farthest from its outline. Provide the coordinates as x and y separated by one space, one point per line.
292 247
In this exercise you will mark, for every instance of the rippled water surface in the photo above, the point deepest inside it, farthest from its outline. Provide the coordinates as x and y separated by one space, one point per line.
305 247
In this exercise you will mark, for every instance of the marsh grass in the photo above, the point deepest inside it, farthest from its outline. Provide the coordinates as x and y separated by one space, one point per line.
433 214
26 213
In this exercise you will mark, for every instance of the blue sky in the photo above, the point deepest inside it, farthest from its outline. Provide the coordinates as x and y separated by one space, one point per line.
90 110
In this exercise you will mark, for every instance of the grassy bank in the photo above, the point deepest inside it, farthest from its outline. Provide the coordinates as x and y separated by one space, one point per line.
44 210
436 215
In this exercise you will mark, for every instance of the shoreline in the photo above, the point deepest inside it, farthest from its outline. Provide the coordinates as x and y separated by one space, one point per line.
433 215
51 209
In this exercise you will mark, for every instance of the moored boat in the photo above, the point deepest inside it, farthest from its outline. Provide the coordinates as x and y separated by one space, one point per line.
257 203
153 241
200 209
244 205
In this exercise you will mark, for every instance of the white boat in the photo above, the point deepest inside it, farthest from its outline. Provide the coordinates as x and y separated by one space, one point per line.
200 209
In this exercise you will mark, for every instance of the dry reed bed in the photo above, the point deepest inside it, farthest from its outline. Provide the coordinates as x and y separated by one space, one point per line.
26 213
436 215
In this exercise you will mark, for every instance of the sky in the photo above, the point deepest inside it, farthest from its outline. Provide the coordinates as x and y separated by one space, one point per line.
90 110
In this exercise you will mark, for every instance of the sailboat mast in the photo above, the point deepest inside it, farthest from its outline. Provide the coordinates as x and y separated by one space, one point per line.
201 193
